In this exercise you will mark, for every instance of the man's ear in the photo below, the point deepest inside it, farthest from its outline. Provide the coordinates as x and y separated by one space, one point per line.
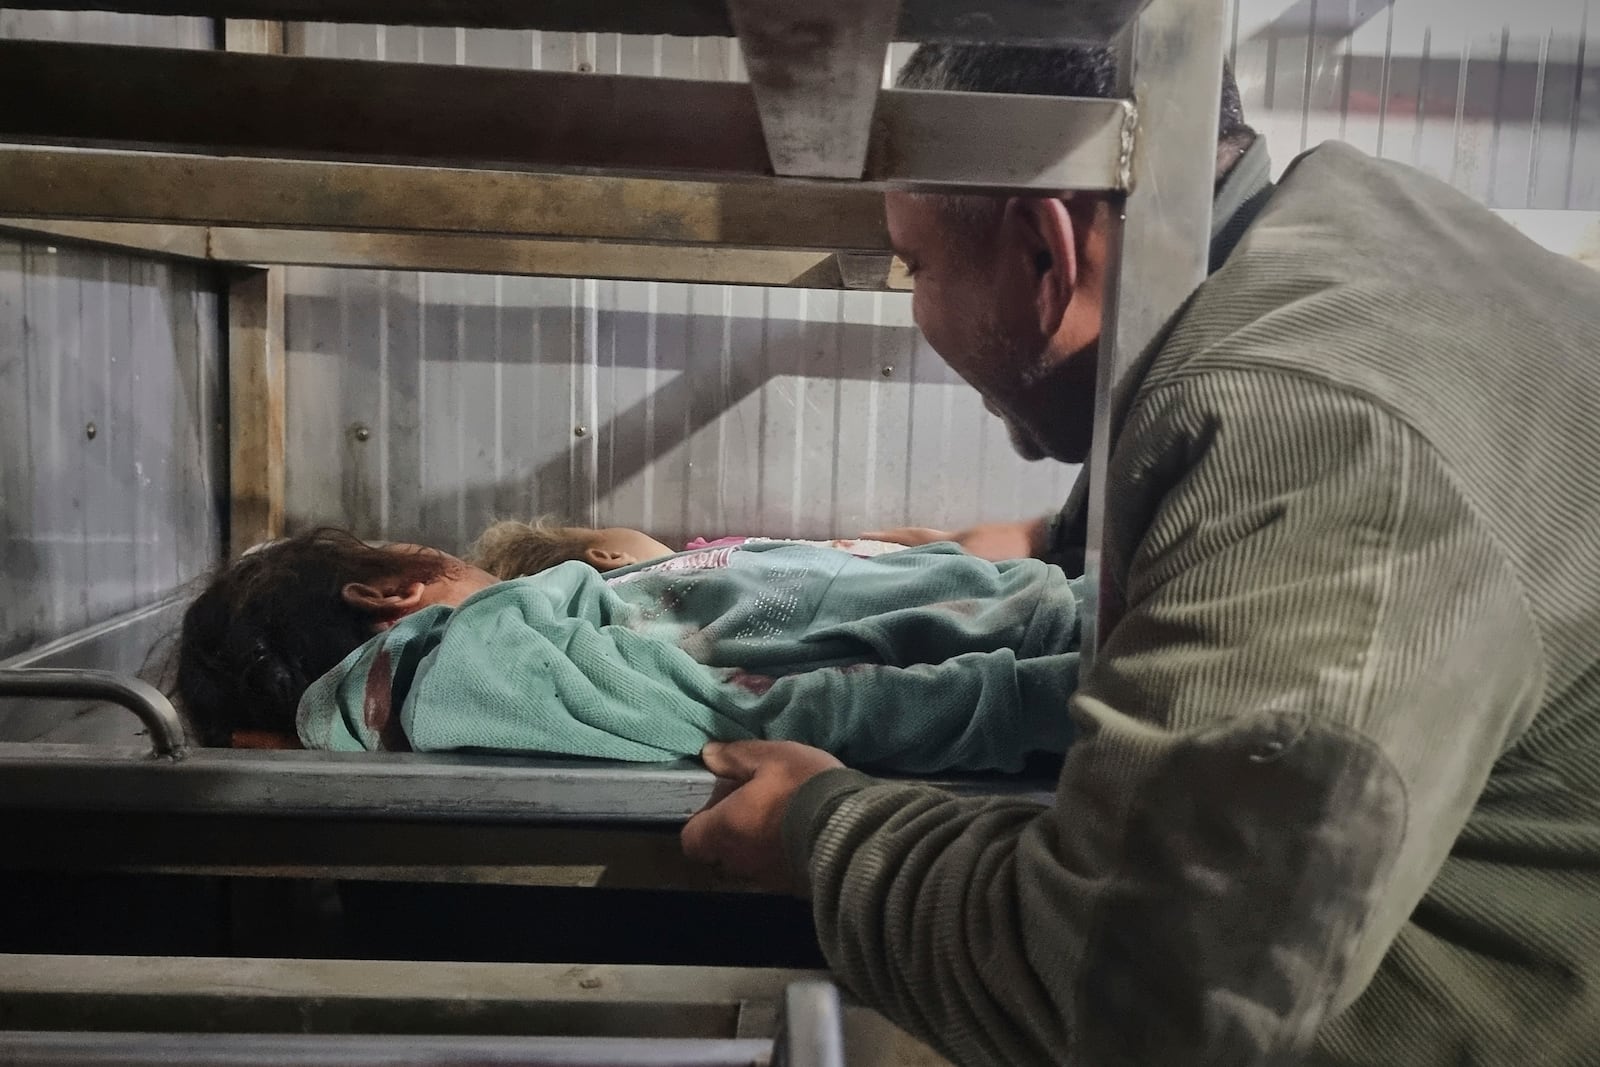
1048 232
603 559
386 608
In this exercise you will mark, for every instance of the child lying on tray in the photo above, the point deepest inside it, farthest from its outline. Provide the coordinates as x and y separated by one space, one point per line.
516 549
922 660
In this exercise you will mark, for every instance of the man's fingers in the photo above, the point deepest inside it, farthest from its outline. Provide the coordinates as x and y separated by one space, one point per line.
720 790
909 535
701 834
738 760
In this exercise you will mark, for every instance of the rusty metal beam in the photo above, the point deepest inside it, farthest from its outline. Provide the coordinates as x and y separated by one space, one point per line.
468 254
215 103
271 194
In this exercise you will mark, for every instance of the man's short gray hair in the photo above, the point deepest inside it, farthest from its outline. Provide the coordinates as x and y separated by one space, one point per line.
1063 70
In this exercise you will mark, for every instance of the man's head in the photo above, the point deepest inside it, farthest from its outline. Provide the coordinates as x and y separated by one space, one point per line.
1010 291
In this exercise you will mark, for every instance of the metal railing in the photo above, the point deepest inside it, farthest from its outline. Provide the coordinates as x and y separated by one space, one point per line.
811 1034
167 736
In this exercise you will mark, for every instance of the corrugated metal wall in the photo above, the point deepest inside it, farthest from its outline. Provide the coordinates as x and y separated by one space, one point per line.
1500 99
423 405
96 523
678 409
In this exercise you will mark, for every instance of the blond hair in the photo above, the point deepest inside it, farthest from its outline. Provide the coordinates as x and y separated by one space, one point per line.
510 549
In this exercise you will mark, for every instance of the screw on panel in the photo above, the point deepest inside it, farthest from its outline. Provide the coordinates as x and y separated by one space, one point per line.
580 431
888 372
585 68
91 431
589 983
1268 751
361 432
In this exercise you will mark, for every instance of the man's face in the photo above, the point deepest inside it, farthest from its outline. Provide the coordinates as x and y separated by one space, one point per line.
977 299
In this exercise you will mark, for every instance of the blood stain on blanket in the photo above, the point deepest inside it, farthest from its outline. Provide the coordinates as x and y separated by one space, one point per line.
758 684
377 706
965 608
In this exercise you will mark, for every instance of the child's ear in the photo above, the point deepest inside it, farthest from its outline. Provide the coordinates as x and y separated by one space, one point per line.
603 559
386 608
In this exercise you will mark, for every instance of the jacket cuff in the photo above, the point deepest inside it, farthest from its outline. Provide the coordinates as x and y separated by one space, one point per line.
809 810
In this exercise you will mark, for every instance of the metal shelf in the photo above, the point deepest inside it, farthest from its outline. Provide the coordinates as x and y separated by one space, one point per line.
383 785
288 107
1008 21
138 1011
1162 153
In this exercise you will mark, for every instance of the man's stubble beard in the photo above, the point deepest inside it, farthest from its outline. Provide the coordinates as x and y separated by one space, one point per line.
1032 369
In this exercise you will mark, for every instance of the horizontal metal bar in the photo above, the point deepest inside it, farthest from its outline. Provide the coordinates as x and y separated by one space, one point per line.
228 102
953 141
143 699
355 849
1575 234
978 21
182 990
54 1049
177 242
541 257
381 785
113 96
197 994
460 254
281 194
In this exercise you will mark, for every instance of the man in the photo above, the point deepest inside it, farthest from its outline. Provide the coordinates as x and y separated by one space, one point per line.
1335 796
1243 183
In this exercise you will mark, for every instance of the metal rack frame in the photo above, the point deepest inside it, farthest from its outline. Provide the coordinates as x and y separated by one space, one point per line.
139 1011
117 147
613 176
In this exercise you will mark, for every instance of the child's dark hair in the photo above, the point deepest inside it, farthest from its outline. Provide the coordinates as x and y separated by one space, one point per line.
273 621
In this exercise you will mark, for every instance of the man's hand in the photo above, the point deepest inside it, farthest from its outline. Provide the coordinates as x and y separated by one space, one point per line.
994 541
912 536
740 831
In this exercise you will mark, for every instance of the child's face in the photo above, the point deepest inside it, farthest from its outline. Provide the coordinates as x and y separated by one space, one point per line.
616 546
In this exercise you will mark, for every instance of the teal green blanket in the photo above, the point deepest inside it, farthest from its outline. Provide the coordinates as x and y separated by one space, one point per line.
918 661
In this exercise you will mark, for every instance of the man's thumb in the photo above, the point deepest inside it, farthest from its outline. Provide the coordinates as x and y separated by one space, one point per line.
738 760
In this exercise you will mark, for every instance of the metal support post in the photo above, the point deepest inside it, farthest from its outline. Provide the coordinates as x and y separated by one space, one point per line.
1173 70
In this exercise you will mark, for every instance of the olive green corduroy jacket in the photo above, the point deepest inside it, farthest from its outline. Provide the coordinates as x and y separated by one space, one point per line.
1336 797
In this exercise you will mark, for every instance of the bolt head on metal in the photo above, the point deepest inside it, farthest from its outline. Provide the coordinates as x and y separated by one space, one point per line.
580 431
361 433
91 431
1268 751
888 372
585 68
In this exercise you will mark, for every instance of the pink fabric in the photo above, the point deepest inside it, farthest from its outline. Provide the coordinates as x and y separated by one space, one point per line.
721 542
